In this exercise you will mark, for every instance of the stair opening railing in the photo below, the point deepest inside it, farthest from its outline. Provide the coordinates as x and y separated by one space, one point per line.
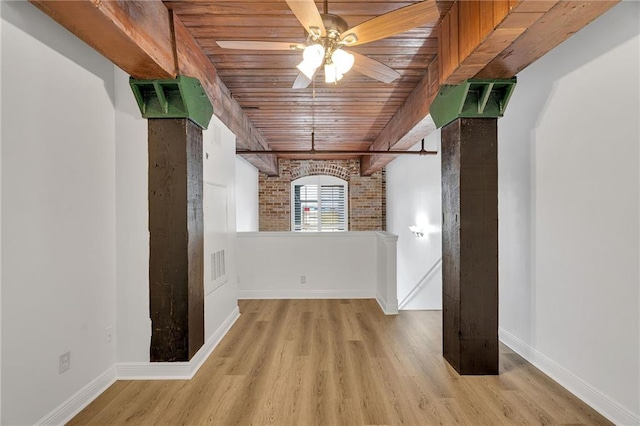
418 286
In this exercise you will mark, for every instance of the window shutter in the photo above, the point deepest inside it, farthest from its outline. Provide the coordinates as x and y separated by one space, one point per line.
332 204
309 208
306 208
297 213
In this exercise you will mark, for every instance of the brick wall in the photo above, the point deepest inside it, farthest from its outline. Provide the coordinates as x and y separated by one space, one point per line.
366 193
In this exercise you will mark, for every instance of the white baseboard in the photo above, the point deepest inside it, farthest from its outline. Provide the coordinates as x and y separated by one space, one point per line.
78 401
387 308
137 371
306 294
176 370
584 391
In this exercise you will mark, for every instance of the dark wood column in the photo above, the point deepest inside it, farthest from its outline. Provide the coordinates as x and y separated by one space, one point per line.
470 244
176 289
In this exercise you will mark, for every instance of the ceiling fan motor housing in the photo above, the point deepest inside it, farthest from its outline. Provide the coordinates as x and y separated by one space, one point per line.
334 25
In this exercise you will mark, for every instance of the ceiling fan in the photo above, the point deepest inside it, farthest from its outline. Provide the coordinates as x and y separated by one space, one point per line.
329 34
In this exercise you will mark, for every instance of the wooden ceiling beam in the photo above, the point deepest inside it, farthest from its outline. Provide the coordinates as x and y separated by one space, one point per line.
497 39
409 124
483 39
136 35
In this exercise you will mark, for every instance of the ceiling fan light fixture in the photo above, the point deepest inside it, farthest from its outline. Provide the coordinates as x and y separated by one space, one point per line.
307 68
313 54
331 73
342 60
312 58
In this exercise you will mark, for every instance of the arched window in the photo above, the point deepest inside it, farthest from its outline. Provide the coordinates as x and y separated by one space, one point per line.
319 203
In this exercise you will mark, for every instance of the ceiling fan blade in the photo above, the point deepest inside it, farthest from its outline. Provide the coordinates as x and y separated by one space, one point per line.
259 45
374 69
302 81
392 23
308 15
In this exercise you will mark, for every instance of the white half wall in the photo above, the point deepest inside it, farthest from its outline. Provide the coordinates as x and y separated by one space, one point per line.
320 265
306 264
414 198
569 183
247 210
58 213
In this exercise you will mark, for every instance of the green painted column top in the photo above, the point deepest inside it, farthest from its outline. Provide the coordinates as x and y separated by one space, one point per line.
183 97
473 98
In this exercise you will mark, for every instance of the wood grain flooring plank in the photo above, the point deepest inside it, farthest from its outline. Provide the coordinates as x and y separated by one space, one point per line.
108 401
372 404
350 321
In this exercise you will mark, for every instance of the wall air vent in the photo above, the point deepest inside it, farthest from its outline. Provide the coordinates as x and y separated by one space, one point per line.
218 269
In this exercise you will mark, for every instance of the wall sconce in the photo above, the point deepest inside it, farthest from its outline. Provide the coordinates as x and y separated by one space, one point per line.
417 231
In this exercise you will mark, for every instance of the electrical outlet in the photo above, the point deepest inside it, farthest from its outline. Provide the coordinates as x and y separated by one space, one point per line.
108 334
64 362
303 279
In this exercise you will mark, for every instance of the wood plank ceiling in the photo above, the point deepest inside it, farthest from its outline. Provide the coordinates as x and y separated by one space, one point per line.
345 116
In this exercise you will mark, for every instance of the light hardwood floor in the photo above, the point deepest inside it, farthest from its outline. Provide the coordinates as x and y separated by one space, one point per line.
331 362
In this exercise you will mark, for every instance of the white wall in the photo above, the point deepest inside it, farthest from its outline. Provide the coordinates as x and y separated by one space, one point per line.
219 145
58 213
132 226
247 196
341 264
569 214
414 198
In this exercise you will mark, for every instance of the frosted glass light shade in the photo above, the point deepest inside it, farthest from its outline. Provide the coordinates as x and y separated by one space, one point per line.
343 60
314 55
307 69
331 73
